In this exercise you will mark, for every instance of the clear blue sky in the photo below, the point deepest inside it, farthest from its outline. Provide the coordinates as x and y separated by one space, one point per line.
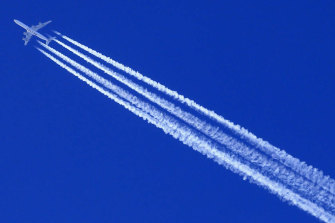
68 154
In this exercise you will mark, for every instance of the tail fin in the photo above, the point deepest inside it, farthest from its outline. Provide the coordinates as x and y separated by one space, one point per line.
50 39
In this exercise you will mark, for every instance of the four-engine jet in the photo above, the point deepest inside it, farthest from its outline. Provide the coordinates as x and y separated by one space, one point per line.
32 31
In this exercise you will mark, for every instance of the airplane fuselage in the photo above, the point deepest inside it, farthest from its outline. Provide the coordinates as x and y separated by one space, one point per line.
31 31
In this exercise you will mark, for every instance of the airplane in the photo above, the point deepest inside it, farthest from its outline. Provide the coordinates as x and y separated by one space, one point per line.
32 31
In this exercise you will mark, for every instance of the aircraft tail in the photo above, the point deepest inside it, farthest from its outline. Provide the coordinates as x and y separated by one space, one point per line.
50 39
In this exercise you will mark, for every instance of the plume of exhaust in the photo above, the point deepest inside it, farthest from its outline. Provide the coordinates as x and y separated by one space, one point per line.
199 143
265 165
313 174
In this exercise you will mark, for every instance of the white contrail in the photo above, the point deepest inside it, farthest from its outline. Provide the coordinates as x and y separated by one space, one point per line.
266 166
313 174
205 146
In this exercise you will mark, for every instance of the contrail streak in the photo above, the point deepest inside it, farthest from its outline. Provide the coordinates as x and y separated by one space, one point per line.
199 143
313 174
265 165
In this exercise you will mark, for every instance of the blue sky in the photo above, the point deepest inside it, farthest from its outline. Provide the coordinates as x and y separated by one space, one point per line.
68 154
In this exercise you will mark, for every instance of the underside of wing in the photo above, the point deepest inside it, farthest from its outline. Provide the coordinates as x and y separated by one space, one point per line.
26 38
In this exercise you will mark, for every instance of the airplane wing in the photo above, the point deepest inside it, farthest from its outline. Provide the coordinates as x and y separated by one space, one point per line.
40 25
27 38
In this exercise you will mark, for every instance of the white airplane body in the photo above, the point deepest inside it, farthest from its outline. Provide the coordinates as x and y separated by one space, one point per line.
32 31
